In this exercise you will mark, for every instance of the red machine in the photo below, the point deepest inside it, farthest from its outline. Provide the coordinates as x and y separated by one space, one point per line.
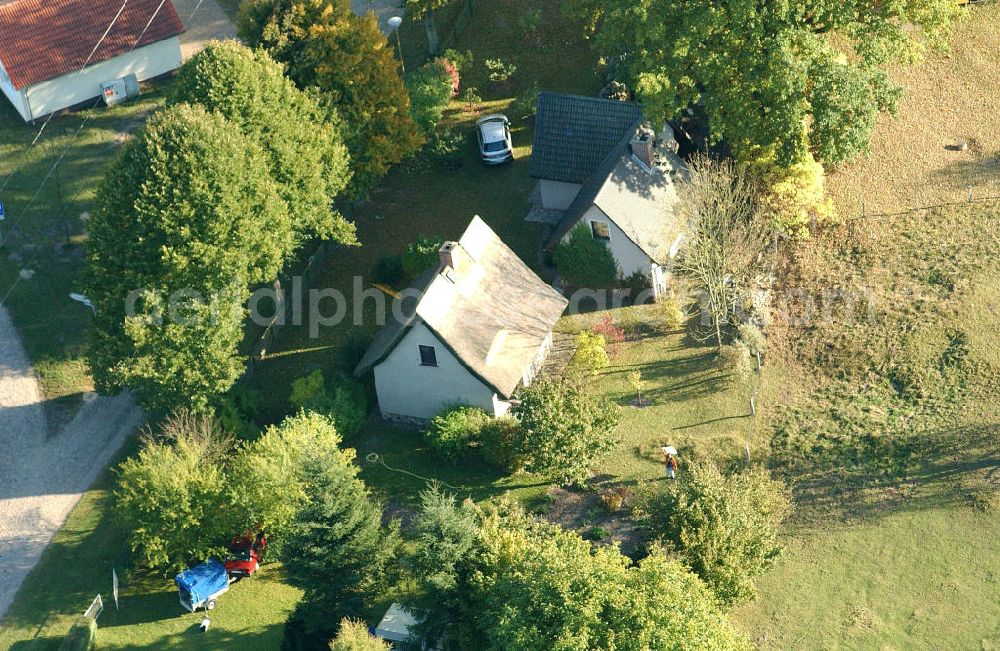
245 552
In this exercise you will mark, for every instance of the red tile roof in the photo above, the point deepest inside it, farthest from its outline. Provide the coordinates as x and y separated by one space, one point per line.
43 39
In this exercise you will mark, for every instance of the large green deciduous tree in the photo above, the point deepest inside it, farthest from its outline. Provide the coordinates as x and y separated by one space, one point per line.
562 429
270 480
323 44
531 586
187 220
171 497
777 79
308 158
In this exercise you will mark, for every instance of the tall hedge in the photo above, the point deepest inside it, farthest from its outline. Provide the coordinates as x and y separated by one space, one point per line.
187 218
303 142
584 261
325 45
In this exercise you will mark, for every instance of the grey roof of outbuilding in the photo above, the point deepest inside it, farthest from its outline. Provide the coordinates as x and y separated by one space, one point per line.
491 311
573 134
640 201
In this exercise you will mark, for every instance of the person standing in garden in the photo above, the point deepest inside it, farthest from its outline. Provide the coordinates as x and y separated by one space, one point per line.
671 461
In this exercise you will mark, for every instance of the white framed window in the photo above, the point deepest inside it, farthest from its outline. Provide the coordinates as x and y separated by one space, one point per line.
600 230
428 356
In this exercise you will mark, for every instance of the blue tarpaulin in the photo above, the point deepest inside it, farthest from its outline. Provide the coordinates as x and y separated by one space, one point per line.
202 581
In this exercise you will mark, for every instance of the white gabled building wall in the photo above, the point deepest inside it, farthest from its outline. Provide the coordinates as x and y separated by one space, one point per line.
627 254
38 100
14 95
408 390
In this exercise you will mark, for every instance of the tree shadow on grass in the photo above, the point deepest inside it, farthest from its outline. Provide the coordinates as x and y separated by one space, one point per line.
945 467
970 173
215 638
679 379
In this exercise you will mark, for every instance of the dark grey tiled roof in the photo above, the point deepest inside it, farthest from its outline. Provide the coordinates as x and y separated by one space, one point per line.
639 200
573 134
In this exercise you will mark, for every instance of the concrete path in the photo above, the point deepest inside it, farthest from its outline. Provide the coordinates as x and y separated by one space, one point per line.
42 477
384 10
204 20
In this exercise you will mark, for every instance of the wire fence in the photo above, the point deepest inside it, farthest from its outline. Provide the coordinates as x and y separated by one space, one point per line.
269 336
971 199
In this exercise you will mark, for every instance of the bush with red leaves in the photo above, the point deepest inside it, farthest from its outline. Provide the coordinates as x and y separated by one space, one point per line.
613 336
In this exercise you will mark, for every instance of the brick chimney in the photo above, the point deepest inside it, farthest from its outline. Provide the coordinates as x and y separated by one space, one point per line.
642 146
446 254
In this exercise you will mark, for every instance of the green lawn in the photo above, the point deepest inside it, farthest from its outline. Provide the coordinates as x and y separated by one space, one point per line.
77 565
912 579
693 404
887 430
45 235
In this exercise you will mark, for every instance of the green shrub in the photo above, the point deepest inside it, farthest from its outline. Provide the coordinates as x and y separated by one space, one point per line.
456 431
471 98
796 196
671 313
590 354
447 148
461 60
171 497
563 429
354 636
725 527
431 87
639 286
597 533
498 443
349 406
500 71
307 390
752 338
389 271
238 411
345 400
421 255
583 261
82 635
452 70
525 104
232 420
736 359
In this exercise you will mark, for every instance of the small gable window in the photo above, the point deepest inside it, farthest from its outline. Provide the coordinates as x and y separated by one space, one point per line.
600 230
428 356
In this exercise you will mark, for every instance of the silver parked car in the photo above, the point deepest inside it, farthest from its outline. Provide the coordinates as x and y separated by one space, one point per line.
493 132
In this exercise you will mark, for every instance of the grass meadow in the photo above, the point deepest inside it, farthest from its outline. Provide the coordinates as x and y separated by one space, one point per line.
881 414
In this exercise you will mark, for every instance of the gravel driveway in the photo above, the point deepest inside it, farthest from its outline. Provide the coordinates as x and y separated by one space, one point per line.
42 477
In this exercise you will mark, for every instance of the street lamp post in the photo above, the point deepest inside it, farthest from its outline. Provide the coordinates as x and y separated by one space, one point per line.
394 23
